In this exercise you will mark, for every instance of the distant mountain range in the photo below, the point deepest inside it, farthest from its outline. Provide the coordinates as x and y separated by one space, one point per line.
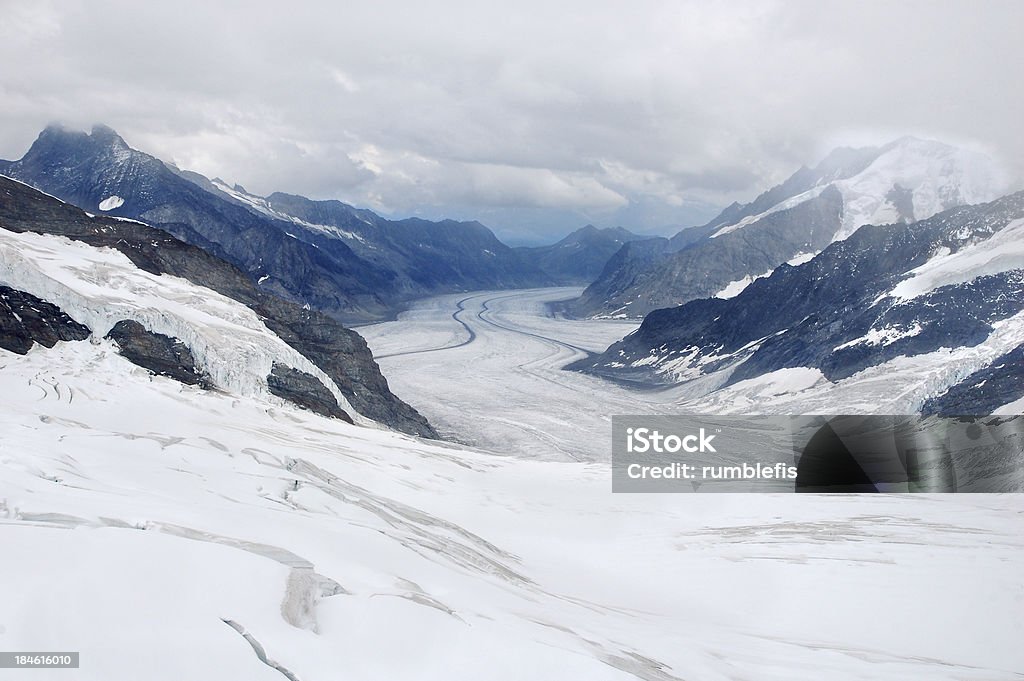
350 263
581 256
907 180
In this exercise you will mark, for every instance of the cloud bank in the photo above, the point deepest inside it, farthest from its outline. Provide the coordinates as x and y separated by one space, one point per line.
535 118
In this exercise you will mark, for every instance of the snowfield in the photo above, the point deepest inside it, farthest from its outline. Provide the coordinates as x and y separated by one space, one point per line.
1002 252
171 533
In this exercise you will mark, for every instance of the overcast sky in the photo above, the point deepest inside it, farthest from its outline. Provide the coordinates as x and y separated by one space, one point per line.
534 117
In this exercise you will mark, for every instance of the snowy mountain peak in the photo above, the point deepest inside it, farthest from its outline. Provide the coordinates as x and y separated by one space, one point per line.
906 180
913 179
58 136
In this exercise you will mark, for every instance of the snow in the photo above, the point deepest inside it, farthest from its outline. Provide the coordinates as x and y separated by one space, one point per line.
327 229
1011 409
1002 252
525 355
148 525
884 336
940 176
99 287
122 219
781 382
514 344
256 202
734 288
801 258
111 202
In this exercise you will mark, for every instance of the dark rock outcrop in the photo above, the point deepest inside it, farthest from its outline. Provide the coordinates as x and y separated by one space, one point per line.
306 391
160 354
26 320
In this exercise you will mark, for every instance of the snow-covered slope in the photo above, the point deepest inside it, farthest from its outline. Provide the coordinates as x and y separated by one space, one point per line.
1001 253
168 532
152 526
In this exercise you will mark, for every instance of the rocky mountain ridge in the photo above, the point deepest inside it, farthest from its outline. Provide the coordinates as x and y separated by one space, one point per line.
98 271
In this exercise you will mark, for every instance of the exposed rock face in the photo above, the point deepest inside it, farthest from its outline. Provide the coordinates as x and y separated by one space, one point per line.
625 269
647 278
163 355
26 320
304 390
426 257
341 353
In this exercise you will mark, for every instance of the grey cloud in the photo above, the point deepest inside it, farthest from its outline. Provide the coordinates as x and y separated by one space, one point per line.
579 109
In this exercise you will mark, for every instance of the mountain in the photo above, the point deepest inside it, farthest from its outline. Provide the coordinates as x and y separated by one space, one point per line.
176 311
424 257
349 263
581 256
907 180
937 304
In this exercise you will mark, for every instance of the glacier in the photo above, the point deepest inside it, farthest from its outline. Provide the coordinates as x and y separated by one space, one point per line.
153 526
